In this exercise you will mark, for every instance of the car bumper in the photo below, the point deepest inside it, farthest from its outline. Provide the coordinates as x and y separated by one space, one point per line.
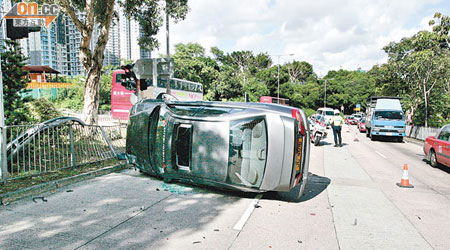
388 133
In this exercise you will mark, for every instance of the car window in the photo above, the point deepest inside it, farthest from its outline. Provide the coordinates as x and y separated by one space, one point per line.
329 113
247 152
445 134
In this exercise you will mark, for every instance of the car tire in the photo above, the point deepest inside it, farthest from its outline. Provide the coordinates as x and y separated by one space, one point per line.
316 140
433 160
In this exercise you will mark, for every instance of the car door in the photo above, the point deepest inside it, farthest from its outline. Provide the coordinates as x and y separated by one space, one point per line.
443 146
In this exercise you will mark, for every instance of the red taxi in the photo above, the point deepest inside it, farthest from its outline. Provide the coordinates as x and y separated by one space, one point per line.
362 125
437 148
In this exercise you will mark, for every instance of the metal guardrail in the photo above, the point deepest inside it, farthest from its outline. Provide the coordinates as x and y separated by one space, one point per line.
58 144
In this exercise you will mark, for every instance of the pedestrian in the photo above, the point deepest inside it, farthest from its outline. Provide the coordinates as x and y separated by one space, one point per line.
336 123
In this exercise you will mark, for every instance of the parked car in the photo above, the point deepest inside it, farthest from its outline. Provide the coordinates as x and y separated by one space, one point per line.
350 120
328 113
437 148
254 147
357 116
362 125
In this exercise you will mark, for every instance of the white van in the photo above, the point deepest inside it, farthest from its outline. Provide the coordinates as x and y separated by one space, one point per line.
327 113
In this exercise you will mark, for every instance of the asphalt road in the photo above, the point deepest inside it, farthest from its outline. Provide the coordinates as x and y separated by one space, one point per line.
351 202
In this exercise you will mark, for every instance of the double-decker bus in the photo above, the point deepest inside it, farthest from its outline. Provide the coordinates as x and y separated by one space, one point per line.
121 98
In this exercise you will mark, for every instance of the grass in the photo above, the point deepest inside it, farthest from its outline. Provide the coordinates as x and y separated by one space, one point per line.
16 184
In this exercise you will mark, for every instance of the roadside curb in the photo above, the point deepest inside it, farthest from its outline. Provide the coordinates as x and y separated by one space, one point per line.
52 185
414 141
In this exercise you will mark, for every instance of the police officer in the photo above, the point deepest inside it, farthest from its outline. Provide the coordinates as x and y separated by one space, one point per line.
336 123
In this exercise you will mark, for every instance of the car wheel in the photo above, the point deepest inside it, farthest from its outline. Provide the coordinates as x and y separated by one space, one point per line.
316 140
433 160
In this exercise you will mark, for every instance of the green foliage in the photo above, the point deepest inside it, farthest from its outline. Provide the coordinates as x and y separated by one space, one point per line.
151 14
418 70
41 110
72 98
14 81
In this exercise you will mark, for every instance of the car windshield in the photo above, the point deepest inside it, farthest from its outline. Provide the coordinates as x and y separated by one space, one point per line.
329 113
247 152
389 115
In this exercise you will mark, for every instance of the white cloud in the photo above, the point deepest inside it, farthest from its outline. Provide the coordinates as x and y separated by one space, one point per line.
328 34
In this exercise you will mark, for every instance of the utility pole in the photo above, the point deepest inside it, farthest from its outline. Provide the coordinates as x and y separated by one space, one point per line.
3 166
168 50
278 77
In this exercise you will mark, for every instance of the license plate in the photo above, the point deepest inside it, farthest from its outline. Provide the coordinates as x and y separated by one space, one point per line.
388 133
299 153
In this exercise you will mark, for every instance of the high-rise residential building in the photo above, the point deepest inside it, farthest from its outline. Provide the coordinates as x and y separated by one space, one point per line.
5 6
130 33
112 49
58 46
46 47
73 40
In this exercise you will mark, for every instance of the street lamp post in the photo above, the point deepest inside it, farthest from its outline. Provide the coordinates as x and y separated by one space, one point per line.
278 77
325 97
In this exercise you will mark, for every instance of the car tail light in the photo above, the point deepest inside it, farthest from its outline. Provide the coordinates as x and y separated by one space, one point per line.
296 114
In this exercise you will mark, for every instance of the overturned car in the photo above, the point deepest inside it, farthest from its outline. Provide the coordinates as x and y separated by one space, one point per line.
252 147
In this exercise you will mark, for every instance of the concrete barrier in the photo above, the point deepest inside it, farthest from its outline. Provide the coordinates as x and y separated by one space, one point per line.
420 133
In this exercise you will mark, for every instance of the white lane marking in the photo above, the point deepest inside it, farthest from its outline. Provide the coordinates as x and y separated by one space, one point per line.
240 224
381 154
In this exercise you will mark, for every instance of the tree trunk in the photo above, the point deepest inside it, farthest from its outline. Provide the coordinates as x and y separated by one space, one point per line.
92 93
426 104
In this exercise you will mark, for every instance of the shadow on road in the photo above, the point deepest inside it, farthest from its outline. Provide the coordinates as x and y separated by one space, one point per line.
316 185
440 166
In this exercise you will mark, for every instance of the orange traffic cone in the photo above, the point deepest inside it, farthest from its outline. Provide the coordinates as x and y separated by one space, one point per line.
356 137
405 181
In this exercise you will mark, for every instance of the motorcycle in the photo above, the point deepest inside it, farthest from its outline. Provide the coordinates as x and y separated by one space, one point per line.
318 131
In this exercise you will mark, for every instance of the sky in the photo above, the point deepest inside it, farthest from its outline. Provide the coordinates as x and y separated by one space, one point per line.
330 35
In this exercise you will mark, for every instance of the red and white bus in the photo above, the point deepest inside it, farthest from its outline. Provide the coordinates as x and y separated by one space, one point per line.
121 98
270 99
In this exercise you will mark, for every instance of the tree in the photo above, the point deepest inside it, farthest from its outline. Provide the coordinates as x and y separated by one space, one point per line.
98 14
422 62
14 82
299 71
